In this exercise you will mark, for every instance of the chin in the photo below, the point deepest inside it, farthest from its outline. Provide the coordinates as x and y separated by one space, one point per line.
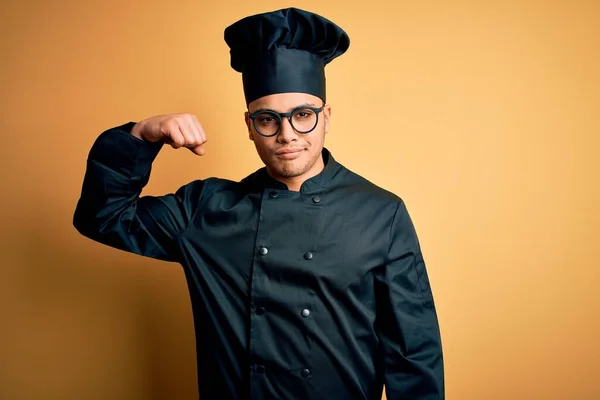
290 170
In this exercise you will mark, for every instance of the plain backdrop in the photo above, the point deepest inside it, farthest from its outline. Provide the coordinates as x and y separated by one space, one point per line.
482 115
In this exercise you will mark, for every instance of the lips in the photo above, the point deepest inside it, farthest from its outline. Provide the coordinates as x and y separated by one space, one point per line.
287 151
289 154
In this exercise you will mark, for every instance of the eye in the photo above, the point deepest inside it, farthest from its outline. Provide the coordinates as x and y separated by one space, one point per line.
266 119
303 114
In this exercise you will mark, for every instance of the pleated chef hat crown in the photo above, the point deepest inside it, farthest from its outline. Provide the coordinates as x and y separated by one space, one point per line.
284 51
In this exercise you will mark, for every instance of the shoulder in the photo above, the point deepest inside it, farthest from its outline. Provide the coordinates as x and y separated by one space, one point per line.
360 186
208 187
200 190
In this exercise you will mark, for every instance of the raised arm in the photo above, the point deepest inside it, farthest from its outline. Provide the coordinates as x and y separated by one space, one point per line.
111 209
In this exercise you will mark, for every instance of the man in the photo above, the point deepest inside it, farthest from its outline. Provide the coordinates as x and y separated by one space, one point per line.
306 280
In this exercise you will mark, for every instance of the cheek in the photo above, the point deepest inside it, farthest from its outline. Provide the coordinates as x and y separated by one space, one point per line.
261 145
318 139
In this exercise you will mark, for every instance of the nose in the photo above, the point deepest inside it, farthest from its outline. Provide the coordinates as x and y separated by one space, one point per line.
286 134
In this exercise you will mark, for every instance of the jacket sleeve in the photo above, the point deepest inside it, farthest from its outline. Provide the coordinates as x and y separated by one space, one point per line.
111 209
408 325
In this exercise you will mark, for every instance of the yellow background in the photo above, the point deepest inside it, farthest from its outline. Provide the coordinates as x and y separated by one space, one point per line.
482 115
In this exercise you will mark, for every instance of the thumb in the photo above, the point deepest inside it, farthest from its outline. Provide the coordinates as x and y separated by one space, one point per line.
198 150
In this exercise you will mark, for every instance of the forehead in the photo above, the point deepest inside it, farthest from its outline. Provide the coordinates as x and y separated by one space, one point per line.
283 102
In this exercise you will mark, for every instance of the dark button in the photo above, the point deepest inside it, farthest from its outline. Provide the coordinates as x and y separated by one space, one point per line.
260 369
305 313
308 256
273 194
316 199
264 251
261 310
305 373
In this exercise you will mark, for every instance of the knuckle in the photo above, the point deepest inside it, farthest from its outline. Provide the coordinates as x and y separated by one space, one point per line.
167 126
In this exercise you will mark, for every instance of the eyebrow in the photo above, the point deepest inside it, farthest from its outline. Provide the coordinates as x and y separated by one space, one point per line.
293 108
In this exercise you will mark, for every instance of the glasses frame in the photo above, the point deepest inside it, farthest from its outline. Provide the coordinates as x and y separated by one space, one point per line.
288 115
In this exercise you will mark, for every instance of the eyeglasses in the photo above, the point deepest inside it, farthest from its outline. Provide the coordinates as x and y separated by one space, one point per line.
304 119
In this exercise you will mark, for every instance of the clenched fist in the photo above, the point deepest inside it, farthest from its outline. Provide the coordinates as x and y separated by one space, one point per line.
177 130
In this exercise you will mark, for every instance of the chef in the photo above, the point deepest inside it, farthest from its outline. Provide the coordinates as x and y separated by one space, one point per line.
306 280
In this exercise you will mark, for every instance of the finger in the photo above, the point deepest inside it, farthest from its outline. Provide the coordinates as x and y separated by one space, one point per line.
188 132
201 132
198 150
175 135
195 128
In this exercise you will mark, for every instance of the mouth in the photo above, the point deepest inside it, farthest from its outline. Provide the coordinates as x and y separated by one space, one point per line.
288 154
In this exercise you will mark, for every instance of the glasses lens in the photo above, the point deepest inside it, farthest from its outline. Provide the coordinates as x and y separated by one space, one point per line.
267 123
304 120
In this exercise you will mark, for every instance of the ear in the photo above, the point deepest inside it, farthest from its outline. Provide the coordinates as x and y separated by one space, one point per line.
327 117
248 125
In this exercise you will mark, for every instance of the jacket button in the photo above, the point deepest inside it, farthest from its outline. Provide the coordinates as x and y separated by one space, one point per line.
260 369
305 373
261 310
316 199
263 251
273 194
308 256
305 313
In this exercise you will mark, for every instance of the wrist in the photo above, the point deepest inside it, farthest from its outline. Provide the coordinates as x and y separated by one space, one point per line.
137 130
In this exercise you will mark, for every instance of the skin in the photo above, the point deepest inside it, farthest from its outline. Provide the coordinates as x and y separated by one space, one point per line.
304 162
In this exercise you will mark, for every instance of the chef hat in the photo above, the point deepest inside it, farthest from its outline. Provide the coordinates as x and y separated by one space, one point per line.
284 51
